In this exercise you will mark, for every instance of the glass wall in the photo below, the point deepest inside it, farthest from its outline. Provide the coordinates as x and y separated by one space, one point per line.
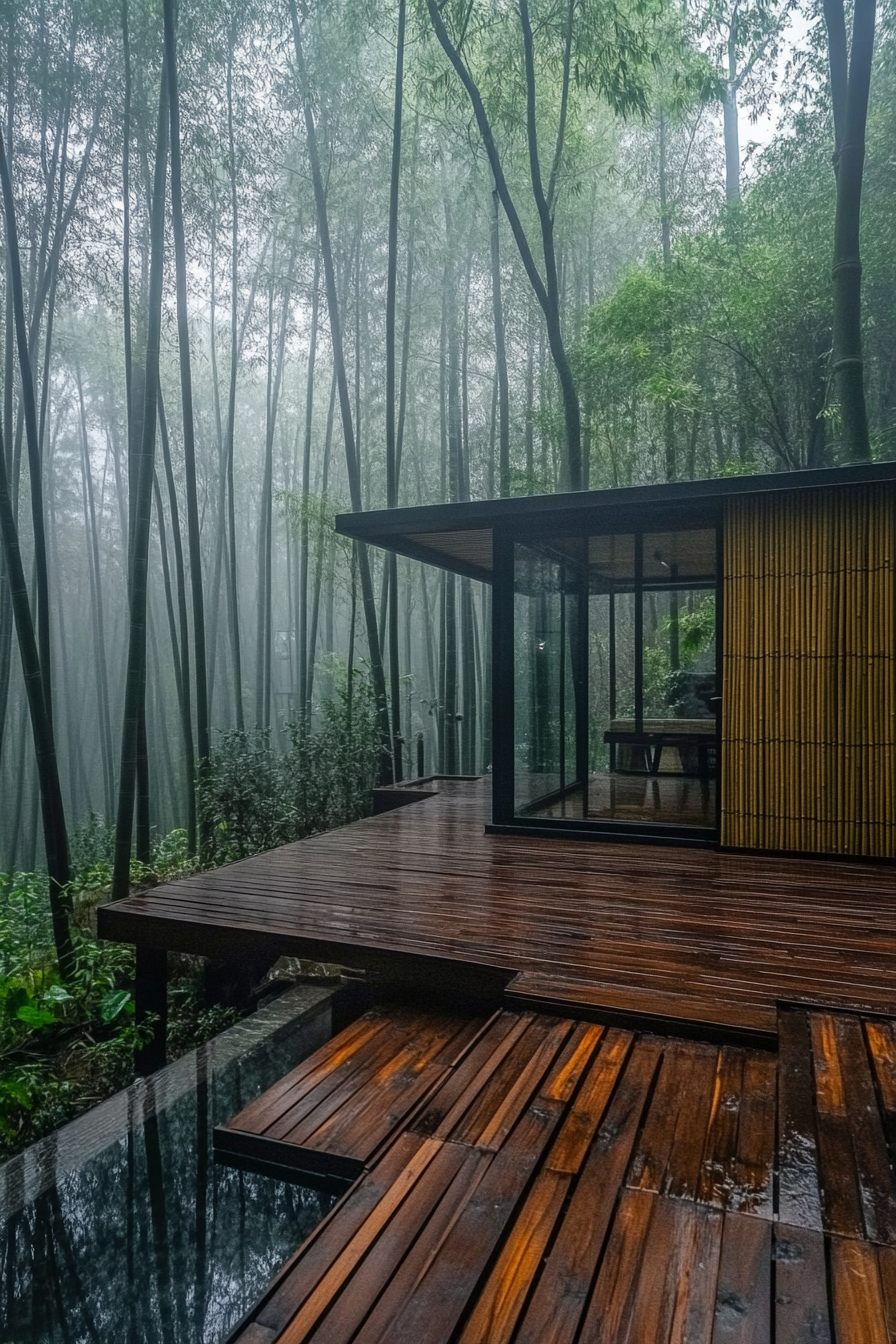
615 694
548 665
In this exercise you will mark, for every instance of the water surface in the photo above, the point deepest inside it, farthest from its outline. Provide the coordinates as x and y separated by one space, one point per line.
120 1227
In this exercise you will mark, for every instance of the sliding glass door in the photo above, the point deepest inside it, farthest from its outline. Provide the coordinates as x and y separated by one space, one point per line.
615 688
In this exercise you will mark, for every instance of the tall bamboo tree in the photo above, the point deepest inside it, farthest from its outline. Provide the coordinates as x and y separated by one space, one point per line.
850 73
141 486
52 810
353 466
186 381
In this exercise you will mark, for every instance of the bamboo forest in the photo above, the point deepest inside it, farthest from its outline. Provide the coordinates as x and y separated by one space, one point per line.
272 262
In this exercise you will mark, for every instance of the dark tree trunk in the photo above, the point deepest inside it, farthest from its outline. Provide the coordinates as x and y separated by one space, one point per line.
31 431
391 451
305 653
352 462
503 382
134 724
547 290
850 83
266 519
186 381
232 586
99 626
319 545
52 810
666 233
181 646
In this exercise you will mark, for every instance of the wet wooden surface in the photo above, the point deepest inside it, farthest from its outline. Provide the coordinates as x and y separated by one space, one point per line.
337 1110
651 930
567 1181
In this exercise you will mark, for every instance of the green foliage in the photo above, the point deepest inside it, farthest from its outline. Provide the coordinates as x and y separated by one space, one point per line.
189 1021
64 1047
25 938
726 350
696 631
665 688
61 1046
255 798
91 844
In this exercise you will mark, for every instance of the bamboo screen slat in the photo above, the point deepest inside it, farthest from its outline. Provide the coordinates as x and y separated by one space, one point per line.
809 694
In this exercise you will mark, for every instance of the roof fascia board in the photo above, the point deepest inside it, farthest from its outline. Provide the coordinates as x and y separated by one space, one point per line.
384 526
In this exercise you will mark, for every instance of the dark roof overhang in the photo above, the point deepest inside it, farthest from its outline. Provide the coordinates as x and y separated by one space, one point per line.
459 537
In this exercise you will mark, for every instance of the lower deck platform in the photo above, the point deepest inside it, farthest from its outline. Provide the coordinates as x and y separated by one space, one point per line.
530 1179
423 895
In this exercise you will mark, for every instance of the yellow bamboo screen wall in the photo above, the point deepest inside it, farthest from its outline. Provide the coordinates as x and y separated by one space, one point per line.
809 694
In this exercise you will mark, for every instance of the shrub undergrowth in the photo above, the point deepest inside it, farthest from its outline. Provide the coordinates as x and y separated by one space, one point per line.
254 798
66 1047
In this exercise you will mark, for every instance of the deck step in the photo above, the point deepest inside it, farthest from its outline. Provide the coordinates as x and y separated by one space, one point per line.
345 1104
649 1003
558 1164
567 1180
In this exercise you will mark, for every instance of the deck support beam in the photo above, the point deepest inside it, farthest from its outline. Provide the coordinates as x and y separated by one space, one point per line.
151 996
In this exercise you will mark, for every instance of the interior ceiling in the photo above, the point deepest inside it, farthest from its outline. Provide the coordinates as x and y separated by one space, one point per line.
686 554
692 553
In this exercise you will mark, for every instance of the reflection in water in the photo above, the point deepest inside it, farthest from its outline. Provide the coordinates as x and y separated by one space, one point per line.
120 1227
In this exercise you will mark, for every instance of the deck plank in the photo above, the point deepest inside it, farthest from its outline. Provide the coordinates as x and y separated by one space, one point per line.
753 1188
425 1248
341 1320
877 1194
744 1291
437 1301
799 1198
350 1099
498 1306
802 1310
676 1280
306 1269
860 1311
561 1294
718 1173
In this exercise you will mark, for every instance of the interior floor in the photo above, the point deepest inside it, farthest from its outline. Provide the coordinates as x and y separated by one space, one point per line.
666 800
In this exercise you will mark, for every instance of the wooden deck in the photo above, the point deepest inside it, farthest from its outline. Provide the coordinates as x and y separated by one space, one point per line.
644 931
556 1181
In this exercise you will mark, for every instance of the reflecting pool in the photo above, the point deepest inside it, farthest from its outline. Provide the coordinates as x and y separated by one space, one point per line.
121 1229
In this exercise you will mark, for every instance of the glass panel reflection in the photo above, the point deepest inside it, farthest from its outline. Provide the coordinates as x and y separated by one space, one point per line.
547 655
615 684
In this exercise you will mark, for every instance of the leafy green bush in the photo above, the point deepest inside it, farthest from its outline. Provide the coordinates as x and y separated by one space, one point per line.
65 1047
255 798
25 933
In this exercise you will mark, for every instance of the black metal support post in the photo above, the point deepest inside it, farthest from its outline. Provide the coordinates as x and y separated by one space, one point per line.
502 680
151 998
639 632
612 639
562 687
581 677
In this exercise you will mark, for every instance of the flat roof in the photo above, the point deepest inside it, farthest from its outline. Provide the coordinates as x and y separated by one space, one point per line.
459 537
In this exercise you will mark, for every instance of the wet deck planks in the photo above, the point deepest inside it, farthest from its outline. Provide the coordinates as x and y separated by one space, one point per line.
568 1181
695 935
336 1111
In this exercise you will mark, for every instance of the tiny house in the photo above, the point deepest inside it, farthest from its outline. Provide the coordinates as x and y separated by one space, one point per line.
707 662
